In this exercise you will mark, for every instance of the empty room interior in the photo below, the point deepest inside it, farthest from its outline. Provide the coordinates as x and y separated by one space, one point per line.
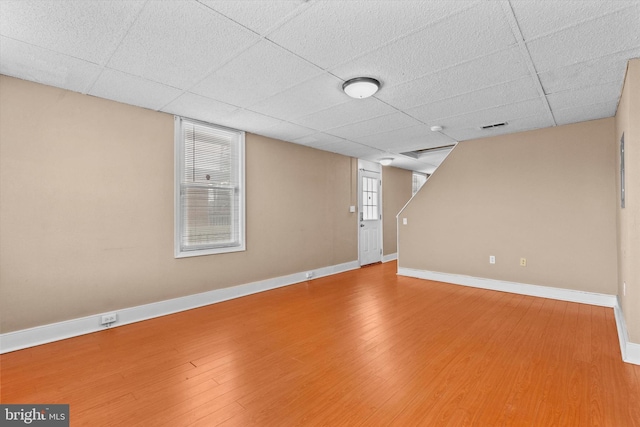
314 212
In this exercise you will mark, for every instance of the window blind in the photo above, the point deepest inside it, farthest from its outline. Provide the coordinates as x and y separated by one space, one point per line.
210 188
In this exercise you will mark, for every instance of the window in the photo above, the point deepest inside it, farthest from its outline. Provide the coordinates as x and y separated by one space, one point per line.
209 189
418 181
369 198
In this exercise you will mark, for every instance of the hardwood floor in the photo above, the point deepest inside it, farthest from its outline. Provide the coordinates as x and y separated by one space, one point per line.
360 348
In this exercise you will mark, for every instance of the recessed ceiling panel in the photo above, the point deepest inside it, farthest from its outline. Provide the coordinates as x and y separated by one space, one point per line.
370 127
200 108
616 32
329 33
584 96
542 17
257 15
178 43
473 33
354 111
132 90
352 149
469 76
610 68
515 125
503 113
406 139
586 112
249 121
257 73
286 131
44 66
309 97
319 140
88 30
506 93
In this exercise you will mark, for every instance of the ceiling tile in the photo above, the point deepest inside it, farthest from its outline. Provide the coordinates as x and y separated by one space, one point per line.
199 41
133 90
586 112
406 139
319 33
86 30
249 121
353 111
515 125
538 18
44 66
370 127
506 93
200 108
319 140
612 33
352 149
473 33
610 68
489 70
314 95
257 15
259 72
287 131
584 96
503 113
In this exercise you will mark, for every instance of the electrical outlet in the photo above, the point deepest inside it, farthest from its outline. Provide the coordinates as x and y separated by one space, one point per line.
523 262
310 275
404 221
108 319
492 259
624 288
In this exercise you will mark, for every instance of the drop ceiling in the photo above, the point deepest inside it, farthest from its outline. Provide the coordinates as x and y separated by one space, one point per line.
276 68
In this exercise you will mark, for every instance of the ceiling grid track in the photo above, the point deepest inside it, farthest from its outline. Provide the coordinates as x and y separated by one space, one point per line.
517 33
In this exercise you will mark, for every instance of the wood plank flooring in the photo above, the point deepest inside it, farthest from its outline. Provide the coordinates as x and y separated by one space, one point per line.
362 348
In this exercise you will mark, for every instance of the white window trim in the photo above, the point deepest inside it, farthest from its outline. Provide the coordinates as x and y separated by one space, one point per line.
178 173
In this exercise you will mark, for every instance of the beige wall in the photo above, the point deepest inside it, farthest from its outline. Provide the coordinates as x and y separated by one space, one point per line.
86 209
546 195
628 122
396 192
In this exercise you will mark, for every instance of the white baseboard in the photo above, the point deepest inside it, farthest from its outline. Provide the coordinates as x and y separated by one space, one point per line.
630 351
592 298
25 338
390 257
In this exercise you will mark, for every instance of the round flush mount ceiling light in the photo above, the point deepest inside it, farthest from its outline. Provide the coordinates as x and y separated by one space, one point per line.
386 161
436 128
361 87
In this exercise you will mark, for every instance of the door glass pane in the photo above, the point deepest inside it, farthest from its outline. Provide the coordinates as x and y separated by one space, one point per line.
369 198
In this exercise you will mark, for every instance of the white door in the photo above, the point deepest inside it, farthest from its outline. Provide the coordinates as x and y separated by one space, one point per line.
370 224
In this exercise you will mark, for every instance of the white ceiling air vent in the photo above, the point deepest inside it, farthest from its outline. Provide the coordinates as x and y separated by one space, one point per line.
416 154
494 125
